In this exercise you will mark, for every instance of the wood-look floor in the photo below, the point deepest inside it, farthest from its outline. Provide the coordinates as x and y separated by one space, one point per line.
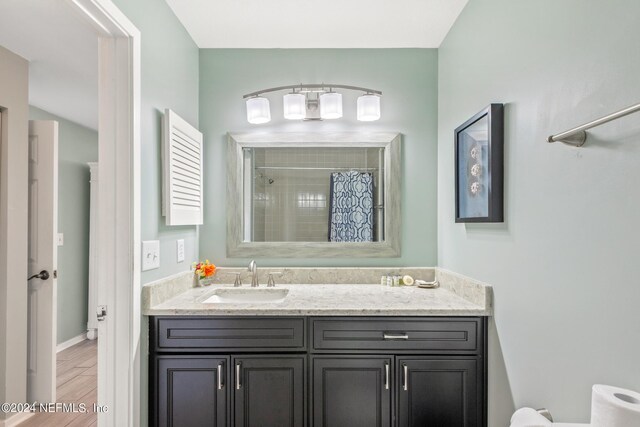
76 382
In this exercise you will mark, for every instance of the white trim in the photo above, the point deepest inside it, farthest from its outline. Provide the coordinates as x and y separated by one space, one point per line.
71 342
119 215
313 139
92 302
16 419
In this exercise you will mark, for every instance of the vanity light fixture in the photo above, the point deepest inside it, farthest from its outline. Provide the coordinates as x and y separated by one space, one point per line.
312 102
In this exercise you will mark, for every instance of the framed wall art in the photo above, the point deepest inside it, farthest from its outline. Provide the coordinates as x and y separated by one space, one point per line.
479 167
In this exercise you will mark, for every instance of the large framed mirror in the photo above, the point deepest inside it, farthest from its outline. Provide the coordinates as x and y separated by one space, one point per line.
307 195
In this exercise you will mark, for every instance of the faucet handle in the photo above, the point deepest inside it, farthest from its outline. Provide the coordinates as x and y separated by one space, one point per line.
271 282
238 282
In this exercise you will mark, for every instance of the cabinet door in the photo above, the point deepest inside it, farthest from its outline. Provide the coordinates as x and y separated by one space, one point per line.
438 392
192 391
352 391
269 391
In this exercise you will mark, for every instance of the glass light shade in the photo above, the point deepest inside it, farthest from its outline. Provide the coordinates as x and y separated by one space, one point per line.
331 105
368 108
258 111
294 106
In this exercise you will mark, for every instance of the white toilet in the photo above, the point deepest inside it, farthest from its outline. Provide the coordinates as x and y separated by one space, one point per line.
610 407
529 417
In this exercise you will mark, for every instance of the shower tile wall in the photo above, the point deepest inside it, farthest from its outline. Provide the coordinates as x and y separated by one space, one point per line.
259 205
293 205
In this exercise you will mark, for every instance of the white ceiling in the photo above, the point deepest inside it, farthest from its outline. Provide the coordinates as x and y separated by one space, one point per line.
63 52
317 24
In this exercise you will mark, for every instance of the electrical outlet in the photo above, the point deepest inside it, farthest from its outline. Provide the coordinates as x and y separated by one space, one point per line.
60 239
180 249
150 254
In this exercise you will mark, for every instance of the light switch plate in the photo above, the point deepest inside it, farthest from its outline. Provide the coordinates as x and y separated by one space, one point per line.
150 254
60 239
180 249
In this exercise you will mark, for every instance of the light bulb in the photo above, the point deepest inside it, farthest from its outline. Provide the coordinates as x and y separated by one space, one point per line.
258 111
330 105
294 106
368 108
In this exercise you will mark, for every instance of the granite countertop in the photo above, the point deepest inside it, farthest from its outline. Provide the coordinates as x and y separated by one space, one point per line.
330 300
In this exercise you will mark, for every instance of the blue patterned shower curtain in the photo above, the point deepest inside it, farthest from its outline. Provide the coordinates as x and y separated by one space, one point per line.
351 207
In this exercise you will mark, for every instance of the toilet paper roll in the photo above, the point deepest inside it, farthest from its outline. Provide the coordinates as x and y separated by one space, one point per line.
528 417
614 407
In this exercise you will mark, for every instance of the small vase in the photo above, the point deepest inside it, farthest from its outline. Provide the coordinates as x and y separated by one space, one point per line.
204 281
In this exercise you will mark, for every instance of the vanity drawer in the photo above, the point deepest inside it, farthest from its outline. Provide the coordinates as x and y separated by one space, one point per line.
196 334
439 335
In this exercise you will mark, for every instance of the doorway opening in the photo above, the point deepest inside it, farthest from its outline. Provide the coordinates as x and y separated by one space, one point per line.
115 367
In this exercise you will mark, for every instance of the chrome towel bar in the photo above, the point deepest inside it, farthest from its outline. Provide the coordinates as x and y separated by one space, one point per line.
577 136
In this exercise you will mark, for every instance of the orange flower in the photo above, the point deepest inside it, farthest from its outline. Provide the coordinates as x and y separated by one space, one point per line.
209 270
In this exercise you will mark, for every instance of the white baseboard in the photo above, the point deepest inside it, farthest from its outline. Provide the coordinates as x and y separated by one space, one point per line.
69 343
16 419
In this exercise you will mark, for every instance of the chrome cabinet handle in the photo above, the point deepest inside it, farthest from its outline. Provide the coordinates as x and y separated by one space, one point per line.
238 385
405 379
386 376
220 383
387 336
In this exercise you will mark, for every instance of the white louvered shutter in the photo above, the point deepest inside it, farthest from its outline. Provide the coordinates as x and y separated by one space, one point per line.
182 174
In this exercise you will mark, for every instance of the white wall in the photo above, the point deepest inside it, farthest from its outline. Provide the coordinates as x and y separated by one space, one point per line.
14 74
565 264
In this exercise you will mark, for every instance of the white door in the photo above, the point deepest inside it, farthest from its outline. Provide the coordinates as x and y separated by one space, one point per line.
43 231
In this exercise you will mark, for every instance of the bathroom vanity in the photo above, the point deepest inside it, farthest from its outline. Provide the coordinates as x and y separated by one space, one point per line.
319 371
328 355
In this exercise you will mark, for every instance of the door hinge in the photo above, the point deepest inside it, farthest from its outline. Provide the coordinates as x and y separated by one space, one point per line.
101 312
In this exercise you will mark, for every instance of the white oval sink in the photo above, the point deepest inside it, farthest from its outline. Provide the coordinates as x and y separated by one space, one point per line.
247 295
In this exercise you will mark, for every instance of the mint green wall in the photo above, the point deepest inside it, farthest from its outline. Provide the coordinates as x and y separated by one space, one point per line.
564 264
408 80
77 145
169 80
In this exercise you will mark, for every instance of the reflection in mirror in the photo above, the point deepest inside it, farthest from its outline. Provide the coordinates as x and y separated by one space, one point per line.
308 195
311 194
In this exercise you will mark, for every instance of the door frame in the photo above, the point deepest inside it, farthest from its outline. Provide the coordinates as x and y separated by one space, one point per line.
119 217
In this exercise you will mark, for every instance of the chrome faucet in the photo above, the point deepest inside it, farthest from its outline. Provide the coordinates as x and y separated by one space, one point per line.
253 268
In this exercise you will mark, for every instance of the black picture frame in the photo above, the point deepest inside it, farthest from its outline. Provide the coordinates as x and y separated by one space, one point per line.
479 167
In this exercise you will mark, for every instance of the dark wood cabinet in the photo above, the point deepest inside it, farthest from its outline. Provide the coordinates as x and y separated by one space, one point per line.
379 335
439 392
362 371
192 391
352 391
269 391
199 334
